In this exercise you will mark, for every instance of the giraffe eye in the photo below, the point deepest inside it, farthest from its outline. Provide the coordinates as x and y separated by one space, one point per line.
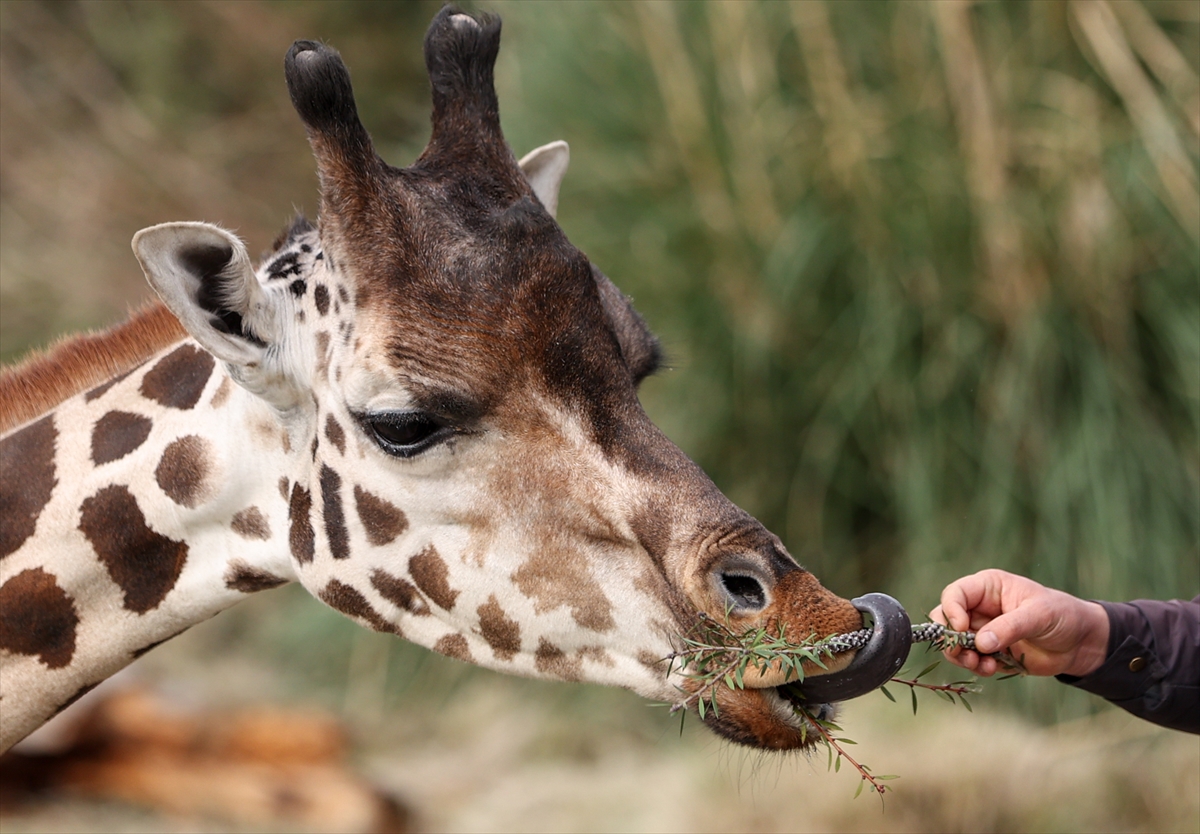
404 434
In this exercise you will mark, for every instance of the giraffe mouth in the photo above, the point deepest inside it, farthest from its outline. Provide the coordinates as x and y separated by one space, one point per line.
778 717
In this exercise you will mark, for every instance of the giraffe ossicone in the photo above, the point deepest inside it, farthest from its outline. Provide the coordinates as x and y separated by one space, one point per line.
423 408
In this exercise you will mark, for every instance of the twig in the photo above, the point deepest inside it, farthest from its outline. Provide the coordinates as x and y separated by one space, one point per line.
826 729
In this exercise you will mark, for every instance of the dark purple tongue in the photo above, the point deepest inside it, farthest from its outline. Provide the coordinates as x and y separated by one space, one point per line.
875 663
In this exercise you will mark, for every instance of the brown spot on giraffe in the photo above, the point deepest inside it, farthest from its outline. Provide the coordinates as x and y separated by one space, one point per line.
221 395
244 577
322 353
38 618
301 539
178 379
284 488
551 660
596 654
399 592
267 432
27 481
500 631
321 298
250 523
429 571
183 472
651 660
341 597
455 646
334 434
118 433
560 577
102 389
335 520
144 564
382 520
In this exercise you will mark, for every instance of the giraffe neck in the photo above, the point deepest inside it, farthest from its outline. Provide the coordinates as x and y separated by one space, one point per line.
133 511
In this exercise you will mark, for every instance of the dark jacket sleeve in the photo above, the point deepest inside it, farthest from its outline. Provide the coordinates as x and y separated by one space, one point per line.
1153 664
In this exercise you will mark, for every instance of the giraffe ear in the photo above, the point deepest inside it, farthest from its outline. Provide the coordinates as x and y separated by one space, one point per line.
545 168
203 274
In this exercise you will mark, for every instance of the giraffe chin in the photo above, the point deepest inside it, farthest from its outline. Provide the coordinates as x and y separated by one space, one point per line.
765 719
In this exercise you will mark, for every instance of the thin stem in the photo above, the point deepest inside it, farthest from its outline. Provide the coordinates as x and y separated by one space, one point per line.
863 770
958 687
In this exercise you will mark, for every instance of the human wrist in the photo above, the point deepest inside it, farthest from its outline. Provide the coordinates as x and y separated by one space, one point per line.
1092 649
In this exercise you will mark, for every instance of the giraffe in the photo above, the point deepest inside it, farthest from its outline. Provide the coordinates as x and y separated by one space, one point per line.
422 407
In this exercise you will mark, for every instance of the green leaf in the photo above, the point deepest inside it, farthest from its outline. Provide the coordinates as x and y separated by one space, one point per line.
965 703
927 670
861 782
887 694
914 700
847 741
837 765
700 707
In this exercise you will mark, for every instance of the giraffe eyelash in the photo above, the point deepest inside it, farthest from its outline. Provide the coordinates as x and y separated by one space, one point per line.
406 434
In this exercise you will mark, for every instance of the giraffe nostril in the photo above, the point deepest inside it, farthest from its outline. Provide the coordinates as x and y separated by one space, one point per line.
744 592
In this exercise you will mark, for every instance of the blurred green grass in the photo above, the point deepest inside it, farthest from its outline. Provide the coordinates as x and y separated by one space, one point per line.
927 274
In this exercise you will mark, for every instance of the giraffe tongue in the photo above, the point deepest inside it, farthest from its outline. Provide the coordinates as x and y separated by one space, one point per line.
875 663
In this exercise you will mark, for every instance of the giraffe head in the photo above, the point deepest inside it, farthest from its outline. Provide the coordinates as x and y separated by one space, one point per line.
456 388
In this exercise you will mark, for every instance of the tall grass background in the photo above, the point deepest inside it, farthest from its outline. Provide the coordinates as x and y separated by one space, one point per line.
927 273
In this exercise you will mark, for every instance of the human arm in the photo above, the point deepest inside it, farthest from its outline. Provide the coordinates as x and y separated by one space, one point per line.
1148 661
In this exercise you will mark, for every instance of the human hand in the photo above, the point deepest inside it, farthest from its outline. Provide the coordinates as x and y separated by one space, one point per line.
1051 632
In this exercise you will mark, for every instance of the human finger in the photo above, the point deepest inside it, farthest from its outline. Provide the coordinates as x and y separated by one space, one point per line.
987 667
965 658
953 611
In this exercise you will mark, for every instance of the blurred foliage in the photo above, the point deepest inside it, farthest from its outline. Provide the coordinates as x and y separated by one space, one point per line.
928 274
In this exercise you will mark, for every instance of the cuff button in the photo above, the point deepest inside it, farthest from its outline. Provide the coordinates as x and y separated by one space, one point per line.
1137 664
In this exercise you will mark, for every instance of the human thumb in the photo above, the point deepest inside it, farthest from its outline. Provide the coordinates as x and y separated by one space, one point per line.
1005 630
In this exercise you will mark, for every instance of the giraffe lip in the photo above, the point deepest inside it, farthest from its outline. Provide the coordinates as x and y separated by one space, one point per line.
767 719
873 665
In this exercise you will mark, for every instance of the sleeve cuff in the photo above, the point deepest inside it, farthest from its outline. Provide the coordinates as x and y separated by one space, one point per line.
1127 673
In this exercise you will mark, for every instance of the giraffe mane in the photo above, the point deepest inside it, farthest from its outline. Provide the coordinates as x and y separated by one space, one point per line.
76 363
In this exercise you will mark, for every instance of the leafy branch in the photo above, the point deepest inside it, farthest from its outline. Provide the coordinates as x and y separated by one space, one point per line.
713 655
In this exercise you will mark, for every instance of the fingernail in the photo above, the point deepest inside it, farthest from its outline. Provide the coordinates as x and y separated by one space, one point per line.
987 641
